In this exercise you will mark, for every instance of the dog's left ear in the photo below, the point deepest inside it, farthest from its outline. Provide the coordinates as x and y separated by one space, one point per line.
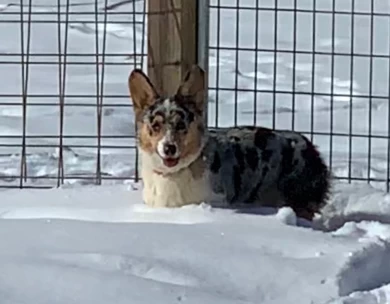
193 86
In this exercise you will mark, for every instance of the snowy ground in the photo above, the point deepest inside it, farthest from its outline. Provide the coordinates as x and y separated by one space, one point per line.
102 245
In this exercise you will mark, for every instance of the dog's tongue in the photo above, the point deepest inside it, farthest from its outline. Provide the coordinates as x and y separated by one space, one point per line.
170 162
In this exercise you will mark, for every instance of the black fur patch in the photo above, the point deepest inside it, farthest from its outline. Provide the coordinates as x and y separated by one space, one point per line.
262 136
187 103
252 196
237 180
305 186
238 169
287 159
316 168
216 163
265 171
239 155
252 157
266 155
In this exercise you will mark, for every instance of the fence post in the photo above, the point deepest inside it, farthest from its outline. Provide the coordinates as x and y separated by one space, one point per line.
174 41
203 45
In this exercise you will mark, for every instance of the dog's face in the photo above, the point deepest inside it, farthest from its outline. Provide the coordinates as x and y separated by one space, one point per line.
170 129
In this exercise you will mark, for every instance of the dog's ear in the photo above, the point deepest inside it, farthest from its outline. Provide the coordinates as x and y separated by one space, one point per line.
193 86
142 92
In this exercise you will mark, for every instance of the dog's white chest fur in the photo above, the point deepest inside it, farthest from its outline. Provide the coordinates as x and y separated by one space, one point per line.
173 190
187 186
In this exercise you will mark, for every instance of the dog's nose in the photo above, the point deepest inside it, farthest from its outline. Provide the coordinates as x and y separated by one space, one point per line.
169 149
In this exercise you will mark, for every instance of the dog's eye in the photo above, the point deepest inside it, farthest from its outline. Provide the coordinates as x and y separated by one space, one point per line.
180 126
156 126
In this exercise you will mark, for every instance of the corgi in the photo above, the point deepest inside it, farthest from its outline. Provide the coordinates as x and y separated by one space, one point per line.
183 163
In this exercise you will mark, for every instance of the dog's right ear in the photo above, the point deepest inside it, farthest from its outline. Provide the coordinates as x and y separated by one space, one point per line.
142 92
193 86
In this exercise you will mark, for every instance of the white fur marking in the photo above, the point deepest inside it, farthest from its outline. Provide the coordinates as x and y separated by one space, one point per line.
167 139
160 146
167 104
293 143
177 188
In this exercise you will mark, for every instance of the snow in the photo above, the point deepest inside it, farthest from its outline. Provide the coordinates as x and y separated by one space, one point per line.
347 151
86 244
103 245
287 215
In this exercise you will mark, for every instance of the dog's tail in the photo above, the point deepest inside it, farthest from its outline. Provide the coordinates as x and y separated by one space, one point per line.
305 179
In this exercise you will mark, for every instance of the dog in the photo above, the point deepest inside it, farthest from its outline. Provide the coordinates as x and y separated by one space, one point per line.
184 163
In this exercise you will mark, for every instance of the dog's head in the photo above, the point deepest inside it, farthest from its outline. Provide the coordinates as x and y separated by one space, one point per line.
170 129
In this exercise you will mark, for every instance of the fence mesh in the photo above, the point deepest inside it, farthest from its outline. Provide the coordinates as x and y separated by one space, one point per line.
64 107
318 67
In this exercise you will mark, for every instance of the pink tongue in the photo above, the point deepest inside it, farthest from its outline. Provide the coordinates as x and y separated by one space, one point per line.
171 162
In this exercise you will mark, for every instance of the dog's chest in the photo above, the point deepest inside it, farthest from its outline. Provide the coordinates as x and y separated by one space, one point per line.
175 190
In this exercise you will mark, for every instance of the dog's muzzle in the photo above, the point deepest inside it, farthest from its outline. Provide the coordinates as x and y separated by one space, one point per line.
169 154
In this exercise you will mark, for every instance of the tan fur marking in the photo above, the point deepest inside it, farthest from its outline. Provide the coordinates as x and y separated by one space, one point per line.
148 140
198 168
141 91
190 142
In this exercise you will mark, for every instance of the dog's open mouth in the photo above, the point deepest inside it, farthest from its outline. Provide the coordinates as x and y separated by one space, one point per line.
170 162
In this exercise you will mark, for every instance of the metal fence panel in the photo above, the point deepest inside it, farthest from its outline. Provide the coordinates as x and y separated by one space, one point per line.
65 114
318 67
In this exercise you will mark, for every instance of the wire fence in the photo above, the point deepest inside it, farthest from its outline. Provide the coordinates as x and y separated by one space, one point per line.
64 106
318 67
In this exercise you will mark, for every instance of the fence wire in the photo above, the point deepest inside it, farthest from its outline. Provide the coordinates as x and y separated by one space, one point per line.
64 106
318 67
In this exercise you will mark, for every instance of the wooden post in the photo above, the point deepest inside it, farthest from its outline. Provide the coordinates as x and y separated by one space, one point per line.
172 42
